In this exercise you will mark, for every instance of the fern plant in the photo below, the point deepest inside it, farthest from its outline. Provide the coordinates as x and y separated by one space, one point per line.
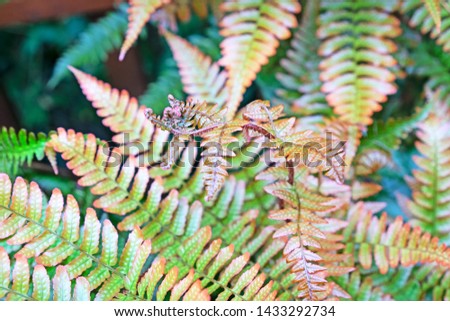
230 191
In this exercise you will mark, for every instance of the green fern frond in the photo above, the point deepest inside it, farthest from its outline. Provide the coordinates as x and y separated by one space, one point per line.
432 62
93 46
437 25
59 289
17 148
390 245
252 31
357 50
300 79
429 281
121 187
387 135
51 235
434 8
429 205
202 78
216 269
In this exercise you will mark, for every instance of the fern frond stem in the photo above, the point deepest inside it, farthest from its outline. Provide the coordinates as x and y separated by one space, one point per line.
73 245
299 232
27 297
434 201
304 263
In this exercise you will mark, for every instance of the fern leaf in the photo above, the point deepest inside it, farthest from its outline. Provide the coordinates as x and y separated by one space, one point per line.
361 288
357 48
431 18
93 46
387 135
121 113
139 13
432 62
434 8
300 79
428 281
58 237
189 119
429 204
303 148
371 160
303 211
390 244
52 239
101 170
17 148
252 31
249 234
217 270
202 79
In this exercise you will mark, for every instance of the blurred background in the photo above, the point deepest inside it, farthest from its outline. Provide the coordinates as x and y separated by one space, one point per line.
38 39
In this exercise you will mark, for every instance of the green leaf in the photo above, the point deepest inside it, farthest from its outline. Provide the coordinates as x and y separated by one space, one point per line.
388 134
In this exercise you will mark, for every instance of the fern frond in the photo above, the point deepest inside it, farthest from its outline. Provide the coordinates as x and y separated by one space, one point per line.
252 31
300 79
430 23
124 191
121 189
387 135
342 131
218 272
123 116
202 78
303 148
304 213
93 46
182 10
59 289
147 286
430 203
390 244
434 8
428 281
371 160
432 62
189 119
361 288
139 13
16 148
357 48
50 234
